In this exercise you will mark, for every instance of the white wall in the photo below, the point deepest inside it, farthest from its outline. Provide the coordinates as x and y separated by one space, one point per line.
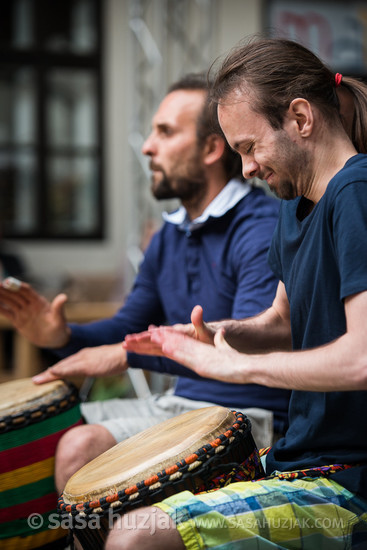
236 19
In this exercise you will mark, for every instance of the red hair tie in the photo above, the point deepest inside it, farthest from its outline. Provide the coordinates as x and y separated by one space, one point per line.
338 79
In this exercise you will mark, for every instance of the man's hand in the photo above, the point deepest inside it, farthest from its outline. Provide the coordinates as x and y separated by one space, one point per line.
220 361
96 362
143 344
32 315
202 331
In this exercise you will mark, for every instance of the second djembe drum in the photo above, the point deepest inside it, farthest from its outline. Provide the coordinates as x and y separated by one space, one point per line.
198 450
32 420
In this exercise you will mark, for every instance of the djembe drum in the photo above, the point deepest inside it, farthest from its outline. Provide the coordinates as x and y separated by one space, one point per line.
198 450
32 420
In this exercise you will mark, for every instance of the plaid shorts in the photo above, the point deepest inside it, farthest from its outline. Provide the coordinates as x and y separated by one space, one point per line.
308 514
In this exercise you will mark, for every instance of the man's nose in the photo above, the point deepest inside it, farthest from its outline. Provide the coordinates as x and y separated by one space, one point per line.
148 146
250 167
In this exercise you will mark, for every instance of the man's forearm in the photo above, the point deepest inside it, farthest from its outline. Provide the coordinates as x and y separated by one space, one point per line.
265 332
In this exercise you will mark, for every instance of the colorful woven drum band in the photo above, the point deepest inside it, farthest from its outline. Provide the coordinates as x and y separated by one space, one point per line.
32 420
214 456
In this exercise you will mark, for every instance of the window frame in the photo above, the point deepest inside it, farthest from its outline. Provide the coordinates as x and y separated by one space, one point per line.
42 62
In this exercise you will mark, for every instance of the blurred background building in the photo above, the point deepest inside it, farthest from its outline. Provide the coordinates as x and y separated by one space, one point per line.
79 83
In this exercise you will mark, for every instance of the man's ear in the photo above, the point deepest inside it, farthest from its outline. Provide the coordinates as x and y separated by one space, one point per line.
300 112
213 149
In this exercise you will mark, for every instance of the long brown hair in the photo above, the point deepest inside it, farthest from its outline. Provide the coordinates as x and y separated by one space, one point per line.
358 130
275 71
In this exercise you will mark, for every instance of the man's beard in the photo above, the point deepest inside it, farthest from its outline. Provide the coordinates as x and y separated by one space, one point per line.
180 188
284 191
298 163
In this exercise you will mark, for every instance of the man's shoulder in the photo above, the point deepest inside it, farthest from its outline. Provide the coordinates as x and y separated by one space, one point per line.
355 169
354 173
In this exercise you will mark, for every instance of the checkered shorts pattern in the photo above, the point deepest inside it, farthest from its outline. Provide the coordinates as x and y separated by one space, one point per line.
273 513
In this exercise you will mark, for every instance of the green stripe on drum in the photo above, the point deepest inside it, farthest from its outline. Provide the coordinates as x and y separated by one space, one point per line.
20 436
39 505
29 454
25 493
23 527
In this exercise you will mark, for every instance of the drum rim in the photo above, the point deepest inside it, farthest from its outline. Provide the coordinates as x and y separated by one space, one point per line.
42 411
241 427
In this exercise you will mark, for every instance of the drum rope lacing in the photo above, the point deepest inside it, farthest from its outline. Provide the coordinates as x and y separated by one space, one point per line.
199 461
44 410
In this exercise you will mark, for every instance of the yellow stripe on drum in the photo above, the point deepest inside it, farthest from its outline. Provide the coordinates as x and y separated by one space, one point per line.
34 541
27 474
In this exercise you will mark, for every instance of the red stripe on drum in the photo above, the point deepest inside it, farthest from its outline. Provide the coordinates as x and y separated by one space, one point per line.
40 505
27 454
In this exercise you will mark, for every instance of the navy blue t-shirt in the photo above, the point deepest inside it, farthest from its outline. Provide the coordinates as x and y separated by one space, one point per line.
321 259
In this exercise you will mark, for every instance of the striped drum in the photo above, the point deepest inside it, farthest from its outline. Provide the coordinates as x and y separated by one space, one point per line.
32 420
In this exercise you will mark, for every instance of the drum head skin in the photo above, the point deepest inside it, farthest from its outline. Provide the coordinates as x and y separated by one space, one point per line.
146 453
19 395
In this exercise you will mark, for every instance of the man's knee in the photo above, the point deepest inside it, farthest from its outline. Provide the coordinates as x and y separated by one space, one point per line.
147 528
77 447
89 437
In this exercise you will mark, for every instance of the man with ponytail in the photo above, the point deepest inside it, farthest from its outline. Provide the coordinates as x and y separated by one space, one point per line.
287 115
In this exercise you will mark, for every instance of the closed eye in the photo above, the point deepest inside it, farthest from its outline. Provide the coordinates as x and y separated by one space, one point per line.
249 149
243 148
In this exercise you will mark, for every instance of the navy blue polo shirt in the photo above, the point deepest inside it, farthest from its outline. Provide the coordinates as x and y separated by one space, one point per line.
218 261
